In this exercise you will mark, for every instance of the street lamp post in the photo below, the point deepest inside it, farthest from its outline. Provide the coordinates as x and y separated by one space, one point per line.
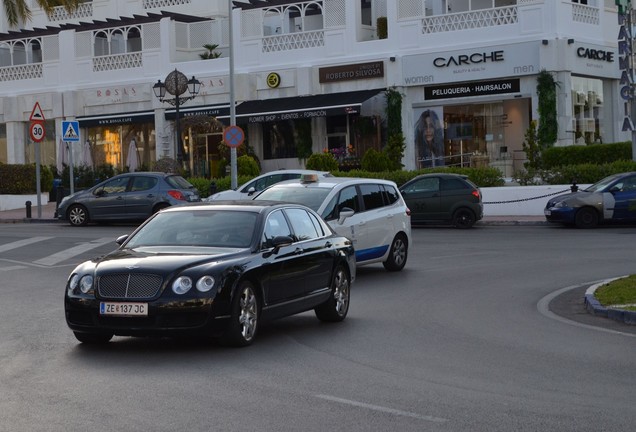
177 84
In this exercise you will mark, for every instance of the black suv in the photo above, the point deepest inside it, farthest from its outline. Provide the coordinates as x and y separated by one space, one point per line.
443 198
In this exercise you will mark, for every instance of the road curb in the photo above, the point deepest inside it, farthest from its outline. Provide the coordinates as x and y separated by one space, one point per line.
593 306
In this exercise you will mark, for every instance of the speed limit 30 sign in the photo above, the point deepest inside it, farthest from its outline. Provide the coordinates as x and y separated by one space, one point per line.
36 131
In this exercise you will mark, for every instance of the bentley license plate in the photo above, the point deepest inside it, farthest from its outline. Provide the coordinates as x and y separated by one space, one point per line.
123 309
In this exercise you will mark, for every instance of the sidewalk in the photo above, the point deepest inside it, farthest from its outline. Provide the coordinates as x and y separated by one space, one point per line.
48 216
46 213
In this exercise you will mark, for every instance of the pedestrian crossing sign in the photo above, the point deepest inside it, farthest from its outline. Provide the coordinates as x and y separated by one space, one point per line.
70 130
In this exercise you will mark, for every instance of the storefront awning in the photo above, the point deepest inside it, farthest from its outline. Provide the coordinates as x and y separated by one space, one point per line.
300 107
219 111
117 119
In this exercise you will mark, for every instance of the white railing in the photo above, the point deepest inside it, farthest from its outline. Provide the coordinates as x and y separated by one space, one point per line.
470 20
585 14
117 61
21 72
293 41
59 13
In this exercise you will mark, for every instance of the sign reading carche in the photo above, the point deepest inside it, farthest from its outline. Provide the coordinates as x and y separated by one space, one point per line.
351 72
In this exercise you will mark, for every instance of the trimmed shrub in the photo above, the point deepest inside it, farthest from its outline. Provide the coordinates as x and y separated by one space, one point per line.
322 162
225 183
201 184
586 173
19 179
590 154
247 166
376 161
482 177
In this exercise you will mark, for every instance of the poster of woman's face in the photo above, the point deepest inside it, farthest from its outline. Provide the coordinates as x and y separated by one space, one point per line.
429 137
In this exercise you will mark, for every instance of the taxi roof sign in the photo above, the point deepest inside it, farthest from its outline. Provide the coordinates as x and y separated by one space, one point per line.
37 115
308 178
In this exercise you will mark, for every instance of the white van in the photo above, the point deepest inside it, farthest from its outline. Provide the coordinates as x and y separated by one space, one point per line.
371 212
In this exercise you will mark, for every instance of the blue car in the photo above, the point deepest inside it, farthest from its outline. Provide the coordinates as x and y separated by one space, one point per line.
611 199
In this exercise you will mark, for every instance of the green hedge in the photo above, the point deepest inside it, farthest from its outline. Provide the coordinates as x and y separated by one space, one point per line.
16 179
586 173
483 177
588 154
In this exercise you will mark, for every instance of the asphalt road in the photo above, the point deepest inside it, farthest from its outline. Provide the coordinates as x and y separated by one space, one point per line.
484 331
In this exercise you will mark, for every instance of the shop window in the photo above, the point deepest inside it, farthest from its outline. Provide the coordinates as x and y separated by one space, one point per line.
111 145
477 134
587 110
337 135
278 140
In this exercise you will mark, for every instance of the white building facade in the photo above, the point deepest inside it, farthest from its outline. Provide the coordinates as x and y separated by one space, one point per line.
311 74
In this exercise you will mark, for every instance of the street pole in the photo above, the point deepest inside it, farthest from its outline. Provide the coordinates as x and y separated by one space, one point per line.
38 188
177 124
630 21
233 171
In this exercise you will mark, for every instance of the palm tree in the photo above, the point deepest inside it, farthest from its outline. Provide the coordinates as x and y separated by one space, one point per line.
210 53
18 11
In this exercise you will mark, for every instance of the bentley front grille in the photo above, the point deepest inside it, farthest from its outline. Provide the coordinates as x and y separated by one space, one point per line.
129 286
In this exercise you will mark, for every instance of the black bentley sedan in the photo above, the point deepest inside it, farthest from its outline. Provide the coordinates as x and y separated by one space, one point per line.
219 269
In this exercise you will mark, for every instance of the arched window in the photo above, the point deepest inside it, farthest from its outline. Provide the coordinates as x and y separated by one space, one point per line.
5 54
100 44
133 42
34 52
19 53
294 19
273 22
117 42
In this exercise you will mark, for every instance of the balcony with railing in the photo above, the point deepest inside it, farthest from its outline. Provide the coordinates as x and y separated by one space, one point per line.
83 11
281 34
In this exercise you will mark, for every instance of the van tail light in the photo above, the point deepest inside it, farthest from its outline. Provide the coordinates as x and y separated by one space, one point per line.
408 212
476 193
177 195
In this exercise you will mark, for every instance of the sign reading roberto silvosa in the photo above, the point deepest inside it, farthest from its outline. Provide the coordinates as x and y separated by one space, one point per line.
351 72
476 88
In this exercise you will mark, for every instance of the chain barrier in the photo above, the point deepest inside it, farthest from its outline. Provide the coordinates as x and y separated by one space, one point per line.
529 199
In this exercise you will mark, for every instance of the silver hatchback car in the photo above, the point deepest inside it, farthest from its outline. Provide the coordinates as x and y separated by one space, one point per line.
370 212
126 197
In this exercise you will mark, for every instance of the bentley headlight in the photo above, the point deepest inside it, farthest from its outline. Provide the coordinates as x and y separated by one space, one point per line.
205 284
182 285
86 284
72 284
